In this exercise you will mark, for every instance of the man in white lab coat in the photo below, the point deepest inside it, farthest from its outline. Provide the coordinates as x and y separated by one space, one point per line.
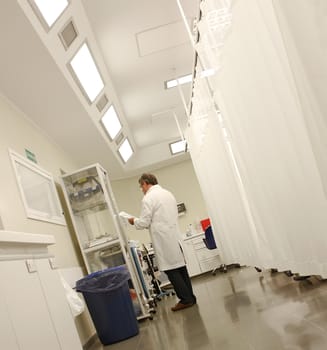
159 214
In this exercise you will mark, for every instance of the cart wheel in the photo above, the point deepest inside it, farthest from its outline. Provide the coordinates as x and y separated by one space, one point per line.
223 268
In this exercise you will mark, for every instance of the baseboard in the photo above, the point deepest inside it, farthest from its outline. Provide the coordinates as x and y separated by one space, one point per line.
93 338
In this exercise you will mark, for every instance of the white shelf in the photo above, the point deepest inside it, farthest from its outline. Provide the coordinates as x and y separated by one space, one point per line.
98 246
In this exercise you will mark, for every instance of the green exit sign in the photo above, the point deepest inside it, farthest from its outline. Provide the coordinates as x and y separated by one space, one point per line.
30 155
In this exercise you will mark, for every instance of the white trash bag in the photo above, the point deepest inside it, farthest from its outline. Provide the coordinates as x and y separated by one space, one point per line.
76 303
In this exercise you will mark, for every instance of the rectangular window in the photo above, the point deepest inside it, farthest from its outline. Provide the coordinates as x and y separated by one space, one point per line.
38 191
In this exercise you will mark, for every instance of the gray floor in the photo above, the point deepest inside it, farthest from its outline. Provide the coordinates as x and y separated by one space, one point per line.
243 310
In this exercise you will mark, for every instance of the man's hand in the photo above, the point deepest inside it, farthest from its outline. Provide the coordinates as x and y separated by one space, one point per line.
131 221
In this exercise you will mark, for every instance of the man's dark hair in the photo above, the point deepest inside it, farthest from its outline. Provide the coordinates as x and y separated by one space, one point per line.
149 179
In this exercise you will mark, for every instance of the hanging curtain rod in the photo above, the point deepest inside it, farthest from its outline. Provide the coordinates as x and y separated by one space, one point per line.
193 41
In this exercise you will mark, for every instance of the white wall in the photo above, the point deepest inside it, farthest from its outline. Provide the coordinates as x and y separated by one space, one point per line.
180 179
18 133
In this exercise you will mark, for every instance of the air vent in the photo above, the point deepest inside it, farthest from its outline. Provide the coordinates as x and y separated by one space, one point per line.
68 34
119 138
102 102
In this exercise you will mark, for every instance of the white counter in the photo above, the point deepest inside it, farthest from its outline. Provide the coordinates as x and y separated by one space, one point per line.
24 245
25 238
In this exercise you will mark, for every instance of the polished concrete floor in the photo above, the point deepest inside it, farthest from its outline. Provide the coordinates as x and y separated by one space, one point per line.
239 310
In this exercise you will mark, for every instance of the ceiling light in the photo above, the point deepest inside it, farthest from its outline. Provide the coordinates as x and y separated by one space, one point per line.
111 122
187 78
87 72
179 81
125 150
51 10
177 147
171 83
207 73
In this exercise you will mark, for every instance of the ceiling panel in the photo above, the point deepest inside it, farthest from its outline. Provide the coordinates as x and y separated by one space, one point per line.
164 37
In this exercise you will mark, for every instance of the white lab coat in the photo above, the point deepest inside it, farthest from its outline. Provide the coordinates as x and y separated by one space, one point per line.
159 214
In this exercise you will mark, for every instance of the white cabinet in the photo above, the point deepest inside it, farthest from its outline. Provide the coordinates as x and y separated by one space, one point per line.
33 307
199 258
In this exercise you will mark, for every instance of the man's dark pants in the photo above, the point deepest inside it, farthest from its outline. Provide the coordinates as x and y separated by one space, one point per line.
181 282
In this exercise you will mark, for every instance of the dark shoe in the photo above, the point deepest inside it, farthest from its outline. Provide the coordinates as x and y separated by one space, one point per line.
300 278
289 273
180 306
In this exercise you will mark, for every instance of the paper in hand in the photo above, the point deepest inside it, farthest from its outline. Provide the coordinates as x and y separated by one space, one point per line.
125 216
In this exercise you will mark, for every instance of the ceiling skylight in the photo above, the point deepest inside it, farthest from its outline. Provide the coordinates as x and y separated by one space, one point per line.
87 72
111 122
178 147
125 150
50 9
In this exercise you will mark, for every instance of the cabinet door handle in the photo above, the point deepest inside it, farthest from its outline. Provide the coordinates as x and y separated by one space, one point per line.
30 264
53 263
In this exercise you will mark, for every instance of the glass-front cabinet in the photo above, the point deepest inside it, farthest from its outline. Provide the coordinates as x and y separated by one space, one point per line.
99 231
94 223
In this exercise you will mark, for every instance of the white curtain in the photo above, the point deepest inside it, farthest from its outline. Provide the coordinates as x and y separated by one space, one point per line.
217 180
274 215
304 31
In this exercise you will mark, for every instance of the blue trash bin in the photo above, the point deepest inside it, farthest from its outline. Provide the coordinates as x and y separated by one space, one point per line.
108 300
